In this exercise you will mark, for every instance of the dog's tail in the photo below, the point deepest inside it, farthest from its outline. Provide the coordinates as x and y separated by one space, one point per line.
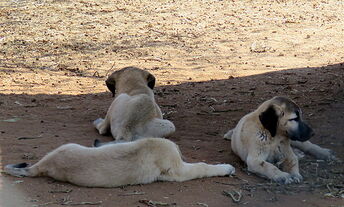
21 169
97 143
228 135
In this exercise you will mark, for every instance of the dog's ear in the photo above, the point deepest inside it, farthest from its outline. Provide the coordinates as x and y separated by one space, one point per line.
111 83
151 81
269 120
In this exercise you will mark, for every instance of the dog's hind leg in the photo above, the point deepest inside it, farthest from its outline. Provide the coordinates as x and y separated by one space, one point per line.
20 170
189 171
158 128
102 125
314 150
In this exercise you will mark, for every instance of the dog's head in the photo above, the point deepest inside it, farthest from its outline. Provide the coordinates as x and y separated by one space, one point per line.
282 116
129 74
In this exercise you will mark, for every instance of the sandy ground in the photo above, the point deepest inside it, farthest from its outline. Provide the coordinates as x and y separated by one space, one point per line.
214 62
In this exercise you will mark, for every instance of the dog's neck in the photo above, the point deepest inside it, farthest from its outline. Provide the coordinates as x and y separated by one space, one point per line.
264 135
134 88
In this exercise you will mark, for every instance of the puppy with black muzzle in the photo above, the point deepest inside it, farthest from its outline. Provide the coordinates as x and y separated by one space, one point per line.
134 113
265 136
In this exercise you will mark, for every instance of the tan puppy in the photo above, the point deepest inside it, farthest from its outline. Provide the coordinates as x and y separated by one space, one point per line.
128 163
134 113
264 136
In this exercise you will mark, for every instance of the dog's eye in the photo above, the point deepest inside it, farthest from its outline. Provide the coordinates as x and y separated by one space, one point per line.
294 119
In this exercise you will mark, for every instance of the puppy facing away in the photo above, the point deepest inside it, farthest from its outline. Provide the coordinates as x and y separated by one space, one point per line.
133 113
127 163
265 136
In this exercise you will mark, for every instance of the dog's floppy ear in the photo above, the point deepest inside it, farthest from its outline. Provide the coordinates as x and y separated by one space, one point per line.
151 81
269 120
111 83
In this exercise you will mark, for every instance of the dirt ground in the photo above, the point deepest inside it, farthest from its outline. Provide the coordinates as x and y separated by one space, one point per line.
214 62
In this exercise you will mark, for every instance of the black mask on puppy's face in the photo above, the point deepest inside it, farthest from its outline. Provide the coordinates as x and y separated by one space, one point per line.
284 117
297 130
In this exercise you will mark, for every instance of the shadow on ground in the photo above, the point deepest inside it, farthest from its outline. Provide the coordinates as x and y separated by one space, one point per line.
32 125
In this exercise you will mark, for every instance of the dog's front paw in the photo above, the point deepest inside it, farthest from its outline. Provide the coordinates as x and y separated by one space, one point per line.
299 153
297 178
325 154
283 178
227 168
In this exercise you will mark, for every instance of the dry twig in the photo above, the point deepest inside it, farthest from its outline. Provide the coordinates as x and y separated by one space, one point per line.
202 204
60 191
133 193
227 183
151 203
69 203
236 196
43 204
22 138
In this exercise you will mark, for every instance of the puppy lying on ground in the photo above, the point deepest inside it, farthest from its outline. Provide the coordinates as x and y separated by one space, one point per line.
128 163
264 136
133 113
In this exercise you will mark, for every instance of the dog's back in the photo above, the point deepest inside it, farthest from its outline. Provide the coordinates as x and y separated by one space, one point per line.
134 112
107 166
